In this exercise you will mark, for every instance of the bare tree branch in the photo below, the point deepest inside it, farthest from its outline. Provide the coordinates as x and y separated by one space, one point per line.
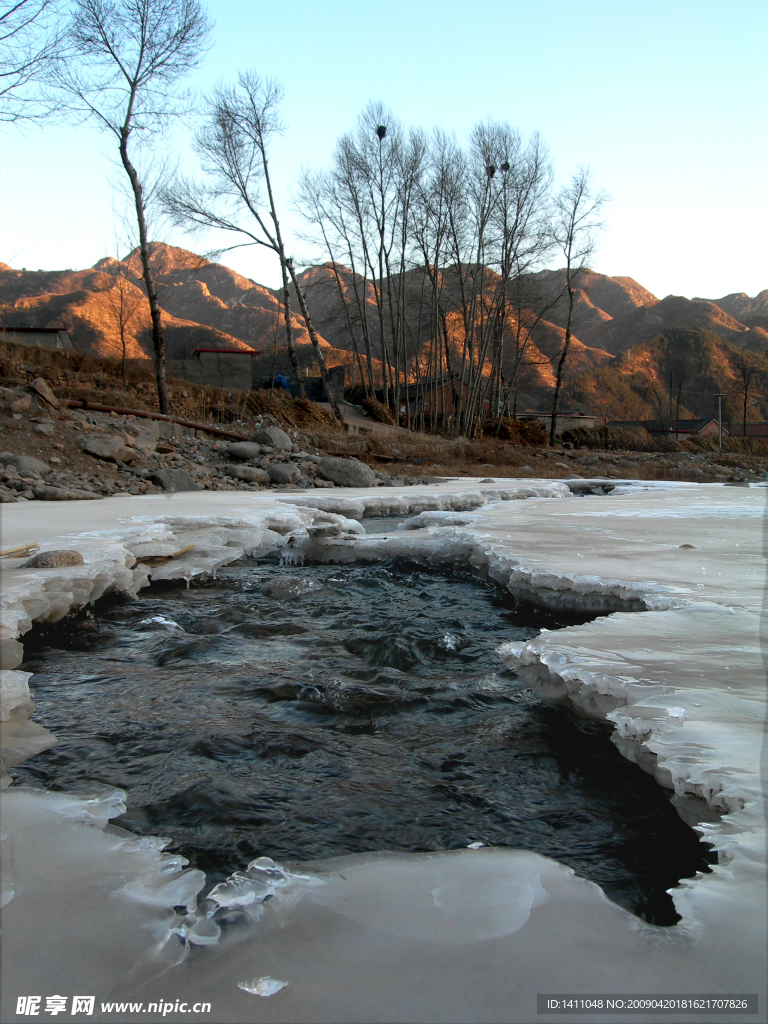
126 62
575 224
30 45
236 193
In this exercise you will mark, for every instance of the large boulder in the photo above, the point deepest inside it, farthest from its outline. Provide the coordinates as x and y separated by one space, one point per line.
250 474
43 389
174 480
274 437
22 462
346 472
284 473
243 451
111 449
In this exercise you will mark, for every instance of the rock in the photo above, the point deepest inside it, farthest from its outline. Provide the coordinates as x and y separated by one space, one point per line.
174 480
593 486
345 472
243 451
283 472
45 492
562 465
144 441
112 449
53 559
23 404
44 427
250 474
274 437
526 470
43 389
25 462
324 530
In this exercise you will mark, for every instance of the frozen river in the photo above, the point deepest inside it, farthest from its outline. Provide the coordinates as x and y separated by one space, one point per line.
676 577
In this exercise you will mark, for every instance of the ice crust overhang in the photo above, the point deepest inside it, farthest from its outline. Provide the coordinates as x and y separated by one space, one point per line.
684 683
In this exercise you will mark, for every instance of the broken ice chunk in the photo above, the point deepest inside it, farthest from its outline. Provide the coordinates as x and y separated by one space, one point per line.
239 891
265 986
204 932
168 887
437 518
96 807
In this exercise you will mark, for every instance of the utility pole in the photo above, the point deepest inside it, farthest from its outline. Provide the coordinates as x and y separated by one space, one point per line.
720 421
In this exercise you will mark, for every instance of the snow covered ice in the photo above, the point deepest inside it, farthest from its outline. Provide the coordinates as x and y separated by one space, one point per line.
675 663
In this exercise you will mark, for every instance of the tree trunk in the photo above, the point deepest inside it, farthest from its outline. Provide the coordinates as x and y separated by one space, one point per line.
158 343
315 342
744 424
289 332
561 364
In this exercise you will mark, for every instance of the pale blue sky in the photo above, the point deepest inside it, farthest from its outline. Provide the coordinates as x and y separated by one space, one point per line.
664 100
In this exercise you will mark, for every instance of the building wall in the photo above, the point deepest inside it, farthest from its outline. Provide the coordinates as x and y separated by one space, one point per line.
41 339
215 369
710 430
564 422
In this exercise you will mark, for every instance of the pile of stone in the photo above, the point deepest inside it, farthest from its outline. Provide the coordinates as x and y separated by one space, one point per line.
25 477
142 456
693 466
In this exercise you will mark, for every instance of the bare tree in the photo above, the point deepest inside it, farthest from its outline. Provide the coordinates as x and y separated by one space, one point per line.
30 43
360 213
466 221
122 300
575 224
237 195
747 368
128 57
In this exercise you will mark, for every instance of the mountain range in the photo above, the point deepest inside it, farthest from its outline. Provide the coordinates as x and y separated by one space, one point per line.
209 305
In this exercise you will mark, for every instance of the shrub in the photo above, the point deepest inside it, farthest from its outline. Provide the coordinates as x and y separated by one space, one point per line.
378 411
528 432
355 394
735 445
629 439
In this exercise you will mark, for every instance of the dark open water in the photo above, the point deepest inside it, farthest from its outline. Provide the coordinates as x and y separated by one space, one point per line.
309 712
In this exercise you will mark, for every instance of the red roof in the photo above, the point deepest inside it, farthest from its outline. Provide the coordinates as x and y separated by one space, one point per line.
35 330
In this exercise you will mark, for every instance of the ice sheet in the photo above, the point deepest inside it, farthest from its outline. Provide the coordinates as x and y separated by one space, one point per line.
468 935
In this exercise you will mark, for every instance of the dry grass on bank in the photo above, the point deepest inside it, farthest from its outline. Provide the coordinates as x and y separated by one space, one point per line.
79 376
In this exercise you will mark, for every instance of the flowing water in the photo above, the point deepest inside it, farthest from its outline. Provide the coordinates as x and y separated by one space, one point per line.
310 712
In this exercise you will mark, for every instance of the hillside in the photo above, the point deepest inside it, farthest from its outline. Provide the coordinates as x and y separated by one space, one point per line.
336 299
672 313
209 305
598 298
750 311
635 386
